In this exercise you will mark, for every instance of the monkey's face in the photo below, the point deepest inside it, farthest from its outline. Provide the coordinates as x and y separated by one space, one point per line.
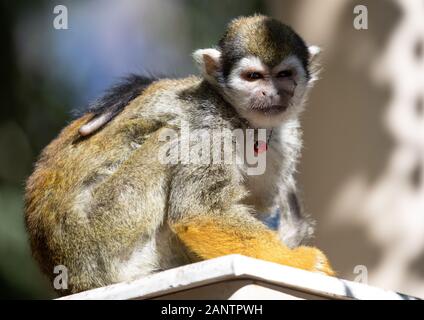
265 95
262 67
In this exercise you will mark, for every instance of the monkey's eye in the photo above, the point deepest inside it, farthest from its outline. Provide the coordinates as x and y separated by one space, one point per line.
285 74
252 76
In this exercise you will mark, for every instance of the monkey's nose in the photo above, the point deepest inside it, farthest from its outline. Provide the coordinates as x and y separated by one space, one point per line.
274 95
275 98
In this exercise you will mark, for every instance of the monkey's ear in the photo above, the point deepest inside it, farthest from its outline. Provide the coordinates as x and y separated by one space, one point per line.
314 52
314 65
209 62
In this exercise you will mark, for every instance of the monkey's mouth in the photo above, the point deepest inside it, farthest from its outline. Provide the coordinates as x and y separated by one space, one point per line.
271 110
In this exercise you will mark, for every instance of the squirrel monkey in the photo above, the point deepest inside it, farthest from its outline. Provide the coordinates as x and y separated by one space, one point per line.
101 203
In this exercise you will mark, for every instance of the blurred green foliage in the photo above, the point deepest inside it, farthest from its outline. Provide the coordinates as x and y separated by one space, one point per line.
31 114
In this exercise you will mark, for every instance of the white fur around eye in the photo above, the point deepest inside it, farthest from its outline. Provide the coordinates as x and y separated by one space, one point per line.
292 62
251 62
236 81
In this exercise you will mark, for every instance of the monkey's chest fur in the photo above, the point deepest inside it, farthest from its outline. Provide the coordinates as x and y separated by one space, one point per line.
100 205
277 179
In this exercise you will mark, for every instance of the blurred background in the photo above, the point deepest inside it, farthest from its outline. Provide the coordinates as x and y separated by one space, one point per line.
362 166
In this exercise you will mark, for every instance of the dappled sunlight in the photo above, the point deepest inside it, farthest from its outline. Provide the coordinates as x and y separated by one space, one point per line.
391 208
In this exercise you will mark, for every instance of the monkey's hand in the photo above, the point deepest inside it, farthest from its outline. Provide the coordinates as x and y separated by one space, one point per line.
295 228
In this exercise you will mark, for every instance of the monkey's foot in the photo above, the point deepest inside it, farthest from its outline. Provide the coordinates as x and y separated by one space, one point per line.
313 259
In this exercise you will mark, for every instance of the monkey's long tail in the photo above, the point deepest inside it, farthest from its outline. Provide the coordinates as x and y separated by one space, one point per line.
114 101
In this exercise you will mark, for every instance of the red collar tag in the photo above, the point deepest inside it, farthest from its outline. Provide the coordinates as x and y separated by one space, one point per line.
260 146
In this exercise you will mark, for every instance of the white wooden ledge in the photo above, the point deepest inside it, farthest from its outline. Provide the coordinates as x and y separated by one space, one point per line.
238 277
